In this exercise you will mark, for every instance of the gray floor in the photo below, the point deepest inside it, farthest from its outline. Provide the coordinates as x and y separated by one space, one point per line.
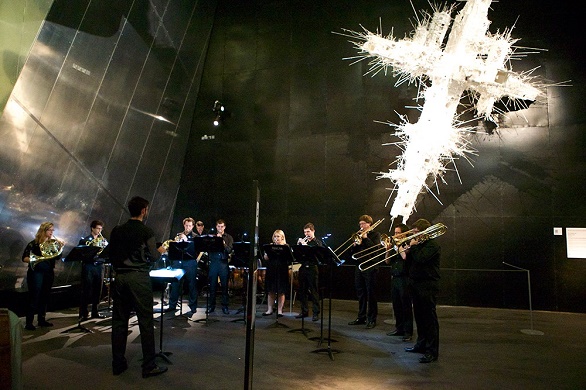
479 349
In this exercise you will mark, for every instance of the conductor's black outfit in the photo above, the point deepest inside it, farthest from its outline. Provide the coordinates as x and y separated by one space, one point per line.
132 251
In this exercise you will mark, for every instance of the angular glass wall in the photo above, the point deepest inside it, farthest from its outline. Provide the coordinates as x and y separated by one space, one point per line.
21 20
101 112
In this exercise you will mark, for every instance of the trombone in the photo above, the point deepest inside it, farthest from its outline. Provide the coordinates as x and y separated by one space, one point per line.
431 232
385 243
356 238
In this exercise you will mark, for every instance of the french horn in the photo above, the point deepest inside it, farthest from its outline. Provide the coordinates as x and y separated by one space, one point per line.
49 250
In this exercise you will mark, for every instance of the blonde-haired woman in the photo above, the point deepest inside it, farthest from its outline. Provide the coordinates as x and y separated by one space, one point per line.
40 279
276 278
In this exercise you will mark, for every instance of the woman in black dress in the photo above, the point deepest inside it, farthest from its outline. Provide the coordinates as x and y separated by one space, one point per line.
277 278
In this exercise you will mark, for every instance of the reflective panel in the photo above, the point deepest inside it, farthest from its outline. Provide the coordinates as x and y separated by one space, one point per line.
101 112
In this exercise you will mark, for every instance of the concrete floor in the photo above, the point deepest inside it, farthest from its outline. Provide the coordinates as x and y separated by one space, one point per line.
479 349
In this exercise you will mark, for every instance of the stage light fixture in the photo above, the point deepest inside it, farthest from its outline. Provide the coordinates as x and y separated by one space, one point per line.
219 110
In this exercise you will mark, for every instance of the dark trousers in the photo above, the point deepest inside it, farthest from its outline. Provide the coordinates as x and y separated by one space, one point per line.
308 286
424 295
365 283
402 305
39 284
218 267
133 290
92 278
190 277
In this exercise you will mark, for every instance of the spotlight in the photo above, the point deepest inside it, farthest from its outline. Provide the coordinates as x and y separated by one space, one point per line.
218 106
220 112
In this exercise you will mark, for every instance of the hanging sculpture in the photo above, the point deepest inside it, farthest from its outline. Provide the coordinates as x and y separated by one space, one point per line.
472 61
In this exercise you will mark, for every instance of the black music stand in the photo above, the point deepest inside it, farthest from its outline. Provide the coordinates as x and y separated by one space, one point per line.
208 243
81 253
181 251
240 260
281 256
331 259
165 276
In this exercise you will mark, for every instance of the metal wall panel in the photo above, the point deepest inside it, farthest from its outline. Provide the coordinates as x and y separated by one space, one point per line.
101 112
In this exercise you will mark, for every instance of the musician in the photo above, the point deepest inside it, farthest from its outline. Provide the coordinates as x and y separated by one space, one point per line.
309 274
219 267
277 278
365 282
189 264
40 279
132 252
400 295
424 282
92 272
200 229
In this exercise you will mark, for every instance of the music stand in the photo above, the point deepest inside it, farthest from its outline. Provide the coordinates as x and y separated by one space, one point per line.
240 260
165 276
81 253
280 257
180 251
208 243
330 258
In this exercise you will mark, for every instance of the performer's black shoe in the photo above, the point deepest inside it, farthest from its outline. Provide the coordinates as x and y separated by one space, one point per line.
154 371
370 324
225 310
30 327
267 314
45 324
428 358
279 315
358 321
315 317
83 318
395 333
170 310
302 315
414 350
407 337
98 315
119 369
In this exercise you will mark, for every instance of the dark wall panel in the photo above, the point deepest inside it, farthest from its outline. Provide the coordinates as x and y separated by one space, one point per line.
303 122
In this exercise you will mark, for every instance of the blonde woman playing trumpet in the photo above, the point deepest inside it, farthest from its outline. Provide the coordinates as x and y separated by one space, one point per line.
40 275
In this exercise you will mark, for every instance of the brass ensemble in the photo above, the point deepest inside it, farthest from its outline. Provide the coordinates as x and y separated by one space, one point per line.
49 250
356 238
431 232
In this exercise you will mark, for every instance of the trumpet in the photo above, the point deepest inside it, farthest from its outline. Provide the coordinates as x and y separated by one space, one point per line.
49 250
356 238
178 238
431 232
303 241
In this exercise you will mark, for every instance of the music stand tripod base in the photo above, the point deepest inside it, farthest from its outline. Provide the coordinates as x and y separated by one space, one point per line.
79 327
301 330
